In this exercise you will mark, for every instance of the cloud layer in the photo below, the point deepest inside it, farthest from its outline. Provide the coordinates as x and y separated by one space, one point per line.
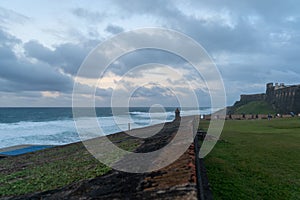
252 42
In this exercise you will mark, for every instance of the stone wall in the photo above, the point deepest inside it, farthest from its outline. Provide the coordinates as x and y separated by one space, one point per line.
284 99
252 97
246 98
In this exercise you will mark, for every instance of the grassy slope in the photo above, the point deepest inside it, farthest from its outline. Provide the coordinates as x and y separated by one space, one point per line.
52 168
255 107
256 160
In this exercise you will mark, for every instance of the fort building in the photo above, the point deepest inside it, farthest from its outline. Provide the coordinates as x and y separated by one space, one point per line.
283 98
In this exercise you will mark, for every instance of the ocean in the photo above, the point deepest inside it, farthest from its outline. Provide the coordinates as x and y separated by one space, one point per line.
55 126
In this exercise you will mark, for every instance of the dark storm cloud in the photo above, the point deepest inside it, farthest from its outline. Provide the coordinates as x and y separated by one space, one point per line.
91 16
154 91
246 34
7 40
114 29
244 37
104 92
252 42
159 8
65 56
27 94
27 76
267 9
213 35
36 50
148 96
6 54
259 38
88 90
19 74
145 56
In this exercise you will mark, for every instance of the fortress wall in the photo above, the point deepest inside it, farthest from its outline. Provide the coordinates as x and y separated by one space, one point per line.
296 102
285 99
252 97
249 117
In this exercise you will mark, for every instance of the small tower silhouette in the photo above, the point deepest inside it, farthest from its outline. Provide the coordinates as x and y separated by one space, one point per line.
177 114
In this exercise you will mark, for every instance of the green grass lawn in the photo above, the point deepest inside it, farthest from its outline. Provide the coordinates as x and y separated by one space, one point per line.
255 107
52 168
256 159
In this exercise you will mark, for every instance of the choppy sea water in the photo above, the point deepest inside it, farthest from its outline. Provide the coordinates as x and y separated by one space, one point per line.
56 126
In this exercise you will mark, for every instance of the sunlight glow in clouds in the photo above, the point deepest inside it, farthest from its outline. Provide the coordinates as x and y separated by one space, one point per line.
50 94
42 45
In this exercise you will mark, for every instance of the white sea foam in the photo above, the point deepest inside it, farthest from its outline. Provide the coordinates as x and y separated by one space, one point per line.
61 132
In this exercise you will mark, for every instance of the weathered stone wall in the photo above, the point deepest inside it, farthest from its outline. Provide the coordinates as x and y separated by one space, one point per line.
246 99
252 97
297 101
284 99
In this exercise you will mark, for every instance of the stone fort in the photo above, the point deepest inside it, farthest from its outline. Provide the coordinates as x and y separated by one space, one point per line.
283 98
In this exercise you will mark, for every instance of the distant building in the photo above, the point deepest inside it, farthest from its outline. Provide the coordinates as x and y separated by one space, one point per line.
283 98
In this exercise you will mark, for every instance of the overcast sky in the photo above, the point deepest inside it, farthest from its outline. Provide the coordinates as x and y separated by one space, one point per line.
43 43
